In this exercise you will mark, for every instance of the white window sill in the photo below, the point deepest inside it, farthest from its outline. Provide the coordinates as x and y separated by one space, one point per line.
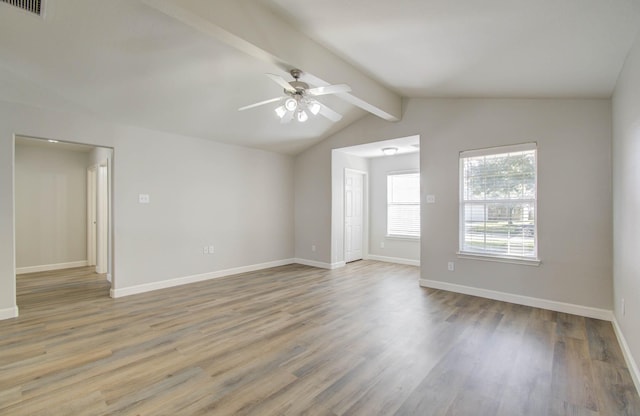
500 259
402 237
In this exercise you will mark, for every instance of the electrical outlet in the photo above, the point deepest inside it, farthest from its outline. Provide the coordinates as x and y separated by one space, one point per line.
205 250
211 249
381 244
313 248
622 307
451 266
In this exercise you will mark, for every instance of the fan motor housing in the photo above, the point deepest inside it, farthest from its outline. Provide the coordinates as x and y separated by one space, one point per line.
299 86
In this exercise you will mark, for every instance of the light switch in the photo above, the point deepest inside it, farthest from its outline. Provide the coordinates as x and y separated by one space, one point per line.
143 198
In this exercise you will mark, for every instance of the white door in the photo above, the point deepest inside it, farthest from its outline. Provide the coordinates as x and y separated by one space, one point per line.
91 216
353 215
102 220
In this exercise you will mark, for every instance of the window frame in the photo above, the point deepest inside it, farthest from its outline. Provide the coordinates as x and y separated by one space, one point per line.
419 203
533 260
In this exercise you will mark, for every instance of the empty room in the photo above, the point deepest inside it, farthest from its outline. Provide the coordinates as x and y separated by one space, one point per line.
275 207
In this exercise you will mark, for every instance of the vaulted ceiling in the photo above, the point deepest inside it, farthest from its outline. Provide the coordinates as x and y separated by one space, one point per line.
186 66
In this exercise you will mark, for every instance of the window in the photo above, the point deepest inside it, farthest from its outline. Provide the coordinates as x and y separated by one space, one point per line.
498 200
403 204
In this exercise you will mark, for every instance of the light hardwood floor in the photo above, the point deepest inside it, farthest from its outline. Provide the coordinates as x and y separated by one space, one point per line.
294 340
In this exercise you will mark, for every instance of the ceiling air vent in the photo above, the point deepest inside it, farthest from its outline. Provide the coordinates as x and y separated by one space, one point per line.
32 6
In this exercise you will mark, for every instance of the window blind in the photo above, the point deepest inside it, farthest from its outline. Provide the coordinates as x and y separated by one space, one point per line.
498 201
403 204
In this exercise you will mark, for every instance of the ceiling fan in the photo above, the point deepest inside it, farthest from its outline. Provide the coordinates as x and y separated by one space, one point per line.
299 99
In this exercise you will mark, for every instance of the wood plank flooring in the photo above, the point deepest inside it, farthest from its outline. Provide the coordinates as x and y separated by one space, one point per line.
295 340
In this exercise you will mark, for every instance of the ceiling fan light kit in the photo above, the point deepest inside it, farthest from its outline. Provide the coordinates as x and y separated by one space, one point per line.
298 102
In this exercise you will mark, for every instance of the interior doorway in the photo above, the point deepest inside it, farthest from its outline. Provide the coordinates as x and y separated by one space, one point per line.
62 212
360 230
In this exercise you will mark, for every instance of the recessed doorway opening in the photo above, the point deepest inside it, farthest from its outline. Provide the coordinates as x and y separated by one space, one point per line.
63 223
360 202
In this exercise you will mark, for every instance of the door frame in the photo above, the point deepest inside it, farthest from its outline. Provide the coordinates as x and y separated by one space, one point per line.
92 182
98 216
103 217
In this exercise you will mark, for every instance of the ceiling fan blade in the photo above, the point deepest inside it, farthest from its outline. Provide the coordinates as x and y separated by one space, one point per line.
287 117
329 113
329 89
272 100
281 81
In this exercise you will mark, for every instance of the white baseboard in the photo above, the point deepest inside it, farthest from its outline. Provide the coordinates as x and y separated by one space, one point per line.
178 281
626 351
398 260
9 313
48 267
586 311
320 264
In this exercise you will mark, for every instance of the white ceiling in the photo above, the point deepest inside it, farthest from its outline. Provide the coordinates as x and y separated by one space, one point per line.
132 62
403 145
470 48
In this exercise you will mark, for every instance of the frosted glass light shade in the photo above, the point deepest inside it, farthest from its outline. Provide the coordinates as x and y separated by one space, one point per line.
302 116
314 107
281 111
291 104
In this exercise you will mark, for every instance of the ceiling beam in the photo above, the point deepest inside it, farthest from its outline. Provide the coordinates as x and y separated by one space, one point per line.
254 29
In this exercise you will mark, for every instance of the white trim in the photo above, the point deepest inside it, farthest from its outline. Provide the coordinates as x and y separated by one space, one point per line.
586 311
337 265
91 215
415 238
102 217
397 260
8 313
178 281
319 264
499 259
402 172
48 267
626 351
499 150
359 172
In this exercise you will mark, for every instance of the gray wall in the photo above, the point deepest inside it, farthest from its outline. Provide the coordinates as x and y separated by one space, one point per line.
379 167
574 151
51 205
238 199
626 200
202 193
